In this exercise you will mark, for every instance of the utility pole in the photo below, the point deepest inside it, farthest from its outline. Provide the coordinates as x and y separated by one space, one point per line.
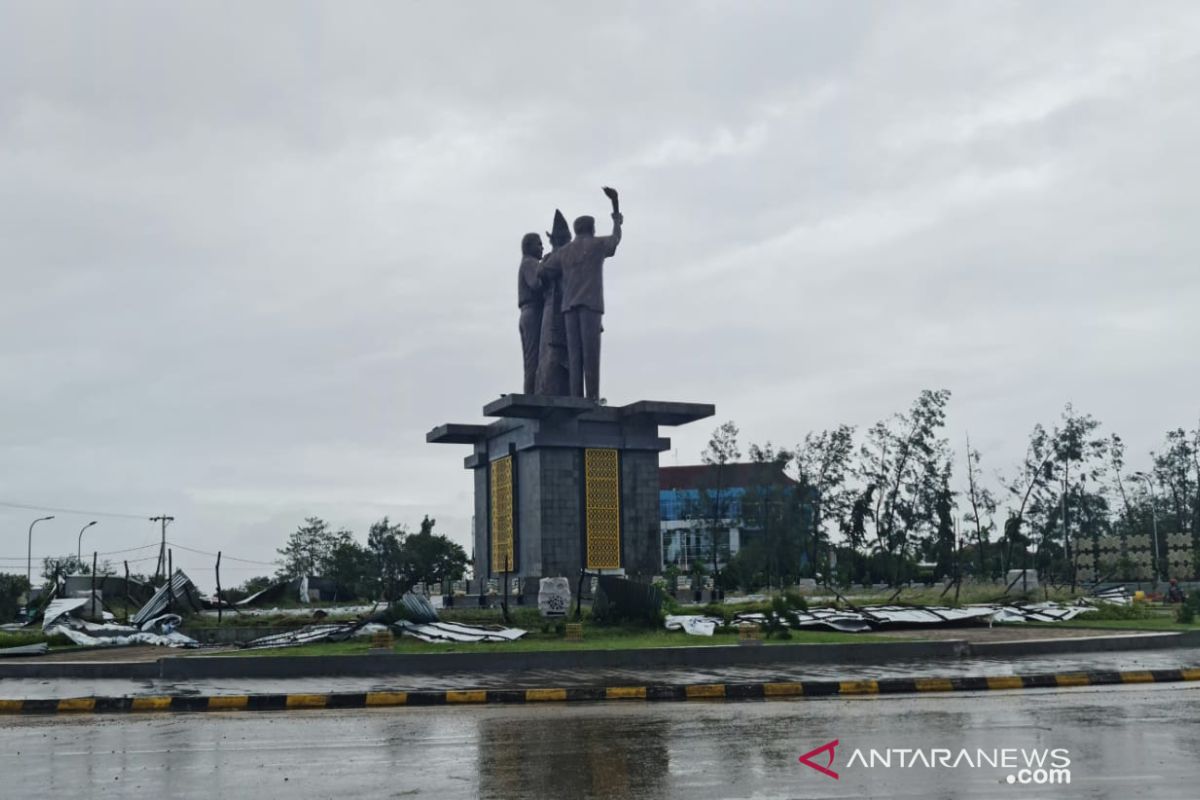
162 550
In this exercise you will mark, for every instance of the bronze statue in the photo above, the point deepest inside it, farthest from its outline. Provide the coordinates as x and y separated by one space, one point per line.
530 301
552 371
581 264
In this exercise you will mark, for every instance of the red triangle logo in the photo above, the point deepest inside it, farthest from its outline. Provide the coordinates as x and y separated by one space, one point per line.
828 747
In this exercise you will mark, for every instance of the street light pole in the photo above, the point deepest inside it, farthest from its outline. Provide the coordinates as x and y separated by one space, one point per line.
79 555
29 555
1153 516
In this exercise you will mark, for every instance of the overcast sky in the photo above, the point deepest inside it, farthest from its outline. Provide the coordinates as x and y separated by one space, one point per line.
252 253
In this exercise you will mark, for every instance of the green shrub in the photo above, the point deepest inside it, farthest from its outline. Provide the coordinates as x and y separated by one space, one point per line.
11 588
795 601
1186 613
21 638
1105 611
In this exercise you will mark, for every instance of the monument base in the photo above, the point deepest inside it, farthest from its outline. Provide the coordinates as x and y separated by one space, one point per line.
564 485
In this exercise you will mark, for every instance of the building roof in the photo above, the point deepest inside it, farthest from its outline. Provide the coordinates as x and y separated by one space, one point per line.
735 475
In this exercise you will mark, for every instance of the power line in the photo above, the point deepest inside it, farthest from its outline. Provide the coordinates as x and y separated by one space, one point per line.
81 512
231 558
63 555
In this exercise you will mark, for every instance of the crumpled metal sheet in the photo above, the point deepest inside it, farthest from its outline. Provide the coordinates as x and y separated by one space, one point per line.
309 634
59 608
828 618
370 629
110 636
1117 595
38 649
925 615
695 625
183 591
159 631
418 608
883 617
456 632
1039 612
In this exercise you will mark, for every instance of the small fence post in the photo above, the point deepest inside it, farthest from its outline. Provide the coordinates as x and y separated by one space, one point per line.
126 592
170 575
92 603
220 603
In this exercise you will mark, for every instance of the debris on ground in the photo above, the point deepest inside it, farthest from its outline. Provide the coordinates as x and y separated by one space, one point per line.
826 618
694 625
883 617
37 649
180 592
309 634
417 608
61 608
160 631
370 629
456 632
1116 595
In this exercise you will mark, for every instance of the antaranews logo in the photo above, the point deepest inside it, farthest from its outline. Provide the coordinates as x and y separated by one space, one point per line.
830 748
1024 766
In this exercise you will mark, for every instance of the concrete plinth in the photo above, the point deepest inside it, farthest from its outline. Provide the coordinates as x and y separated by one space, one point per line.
562 484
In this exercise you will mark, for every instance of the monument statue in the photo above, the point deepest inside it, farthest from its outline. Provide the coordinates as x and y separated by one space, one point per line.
563 486
552 374
581 267
530 301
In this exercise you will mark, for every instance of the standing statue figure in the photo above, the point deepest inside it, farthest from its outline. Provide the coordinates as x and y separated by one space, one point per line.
581 264
552 371
530 301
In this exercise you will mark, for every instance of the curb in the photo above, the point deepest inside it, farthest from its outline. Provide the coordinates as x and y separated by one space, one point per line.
701 691
394 665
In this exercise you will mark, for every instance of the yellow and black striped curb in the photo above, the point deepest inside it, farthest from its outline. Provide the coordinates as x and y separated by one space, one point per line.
698 691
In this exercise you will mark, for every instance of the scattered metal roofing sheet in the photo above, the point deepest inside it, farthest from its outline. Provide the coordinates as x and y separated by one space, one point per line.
61 607
455 632
181 589
418 607
38 649
332 632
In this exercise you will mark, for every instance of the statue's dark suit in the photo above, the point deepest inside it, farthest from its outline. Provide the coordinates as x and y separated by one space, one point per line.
581 264
529 299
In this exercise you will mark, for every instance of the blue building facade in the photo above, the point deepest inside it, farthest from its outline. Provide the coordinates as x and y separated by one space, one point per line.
689 499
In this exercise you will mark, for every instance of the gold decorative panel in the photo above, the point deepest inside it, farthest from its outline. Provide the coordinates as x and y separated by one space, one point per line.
603 509
503 559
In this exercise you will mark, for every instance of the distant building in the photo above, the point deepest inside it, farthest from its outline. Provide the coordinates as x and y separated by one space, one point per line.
700 502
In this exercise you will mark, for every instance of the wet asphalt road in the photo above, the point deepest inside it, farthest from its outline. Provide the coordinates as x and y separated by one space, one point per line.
36 688
1123 742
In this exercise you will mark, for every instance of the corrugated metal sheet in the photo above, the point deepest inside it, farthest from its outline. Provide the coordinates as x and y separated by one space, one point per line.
332 632
185 597
454 632
418 607
61 607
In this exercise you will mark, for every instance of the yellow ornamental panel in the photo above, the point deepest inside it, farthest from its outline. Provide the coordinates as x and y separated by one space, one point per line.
502 515
603 509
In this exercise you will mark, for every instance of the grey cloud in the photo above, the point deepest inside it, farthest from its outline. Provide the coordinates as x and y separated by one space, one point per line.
252 252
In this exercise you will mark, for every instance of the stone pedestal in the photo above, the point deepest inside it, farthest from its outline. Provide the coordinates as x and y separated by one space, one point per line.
562 484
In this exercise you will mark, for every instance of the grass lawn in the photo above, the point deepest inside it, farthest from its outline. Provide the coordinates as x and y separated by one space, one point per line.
594 639
31 636
1155 623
